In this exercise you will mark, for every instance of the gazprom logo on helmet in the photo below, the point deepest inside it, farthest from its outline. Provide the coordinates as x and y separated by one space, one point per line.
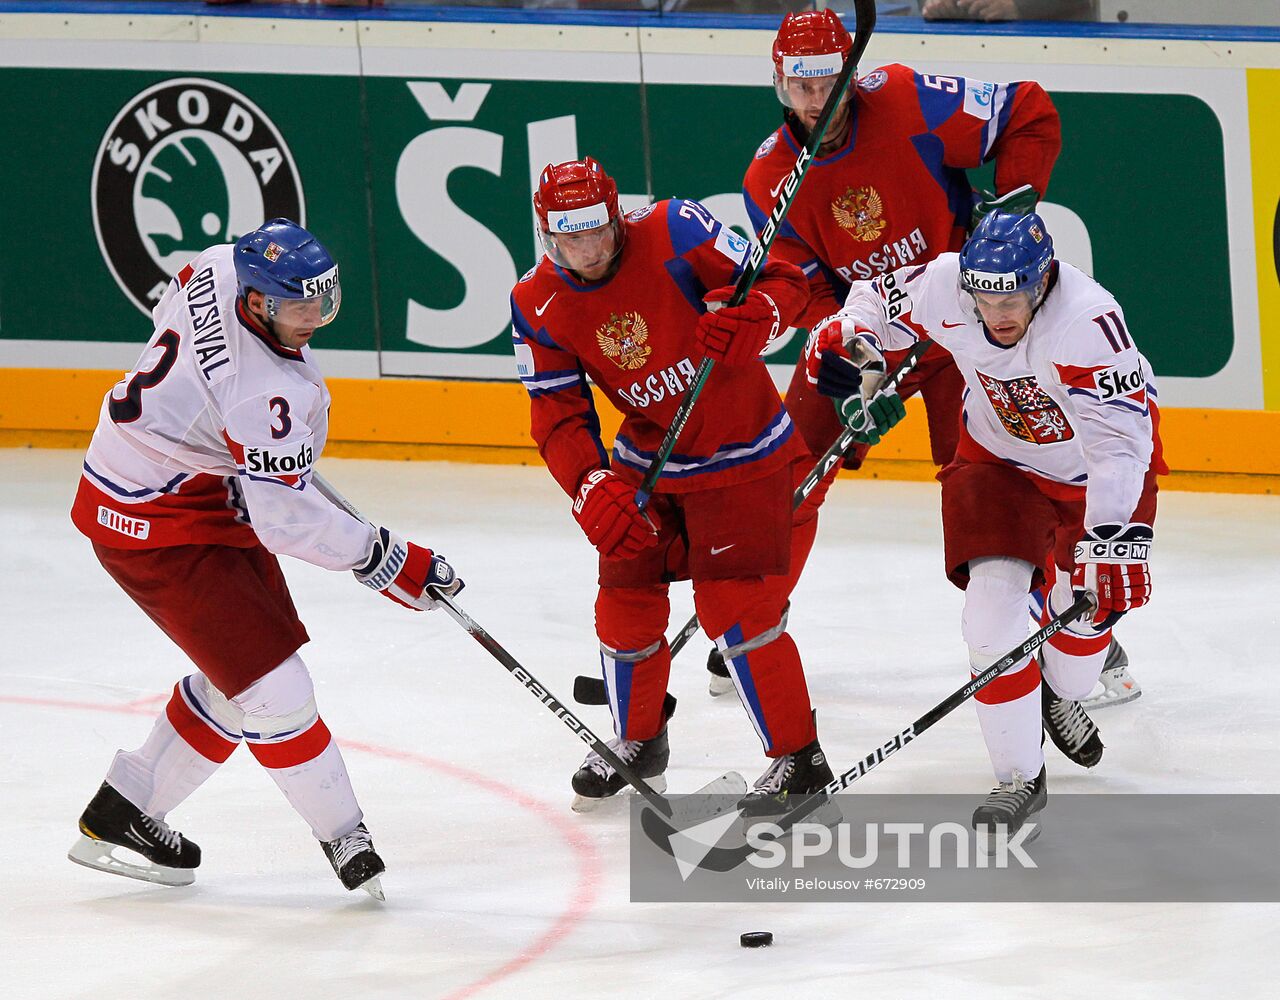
575 220
985 281
321 284
186 163
826 64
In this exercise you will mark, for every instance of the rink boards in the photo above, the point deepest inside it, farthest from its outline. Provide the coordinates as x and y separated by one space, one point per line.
411 147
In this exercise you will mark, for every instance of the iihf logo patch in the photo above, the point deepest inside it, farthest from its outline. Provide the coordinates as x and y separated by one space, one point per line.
640 213
766 147
185 164
873 81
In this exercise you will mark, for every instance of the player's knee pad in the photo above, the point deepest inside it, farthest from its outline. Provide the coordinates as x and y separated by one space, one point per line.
280 703
750 604
208 700
743 638
631 618
994 619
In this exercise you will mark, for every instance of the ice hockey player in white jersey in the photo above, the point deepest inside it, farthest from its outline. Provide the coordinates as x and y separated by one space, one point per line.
1053 485
197 477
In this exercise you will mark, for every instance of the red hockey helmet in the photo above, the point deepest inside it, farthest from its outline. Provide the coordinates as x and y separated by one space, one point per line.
810 44
574 197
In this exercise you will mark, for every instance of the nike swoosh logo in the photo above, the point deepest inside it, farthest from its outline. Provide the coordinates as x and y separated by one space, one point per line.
543 308
951 326
773 192
722 548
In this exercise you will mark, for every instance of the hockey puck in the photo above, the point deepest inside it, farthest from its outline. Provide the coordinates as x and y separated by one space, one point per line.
756 939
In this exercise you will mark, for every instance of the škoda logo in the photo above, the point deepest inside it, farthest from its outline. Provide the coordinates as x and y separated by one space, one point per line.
185 164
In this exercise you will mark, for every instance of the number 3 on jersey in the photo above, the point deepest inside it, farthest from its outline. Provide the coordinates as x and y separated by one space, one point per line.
129 409
286 421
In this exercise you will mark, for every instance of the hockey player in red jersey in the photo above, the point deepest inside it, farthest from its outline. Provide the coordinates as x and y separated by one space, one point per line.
198 475
1053 484
632 304
888 188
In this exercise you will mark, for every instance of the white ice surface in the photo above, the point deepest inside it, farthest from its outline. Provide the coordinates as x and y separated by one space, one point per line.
493 887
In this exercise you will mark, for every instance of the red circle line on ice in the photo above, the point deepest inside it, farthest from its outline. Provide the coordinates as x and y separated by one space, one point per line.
586 858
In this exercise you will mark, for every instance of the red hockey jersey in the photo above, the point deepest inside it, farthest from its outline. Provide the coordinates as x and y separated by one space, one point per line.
633 336
896 192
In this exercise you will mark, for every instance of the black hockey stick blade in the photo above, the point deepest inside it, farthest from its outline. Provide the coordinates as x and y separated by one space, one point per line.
686 843
589 691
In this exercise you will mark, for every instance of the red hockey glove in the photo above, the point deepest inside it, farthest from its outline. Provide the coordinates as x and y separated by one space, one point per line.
735 335
825 338
407 573
1111 560
606 509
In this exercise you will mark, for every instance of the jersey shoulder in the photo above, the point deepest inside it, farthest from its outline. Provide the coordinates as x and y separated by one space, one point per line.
887 85
1078 297
533 282
771 156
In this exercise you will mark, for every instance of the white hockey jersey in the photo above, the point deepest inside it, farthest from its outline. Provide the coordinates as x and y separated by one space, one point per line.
212 437
1071 402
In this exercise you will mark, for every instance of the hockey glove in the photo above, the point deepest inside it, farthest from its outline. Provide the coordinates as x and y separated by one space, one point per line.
605 507
407 573
870 420
1019 201
1111 561
735 335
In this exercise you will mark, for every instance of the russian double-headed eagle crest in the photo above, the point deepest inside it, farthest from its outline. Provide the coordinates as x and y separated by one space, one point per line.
860 212
624 340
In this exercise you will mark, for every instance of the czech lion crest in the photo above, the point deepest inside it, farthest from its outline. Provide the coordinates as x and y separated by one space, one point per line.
624 340
860 212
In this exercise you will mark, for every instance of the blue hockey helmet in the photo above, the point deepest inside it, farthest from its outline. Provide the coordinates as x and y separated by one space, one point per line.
1006 254
286 263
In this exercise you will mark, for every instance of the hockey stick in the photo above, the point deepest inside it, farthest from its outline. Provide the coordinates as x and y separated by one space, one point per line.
865 21
730 783
723 859
833 455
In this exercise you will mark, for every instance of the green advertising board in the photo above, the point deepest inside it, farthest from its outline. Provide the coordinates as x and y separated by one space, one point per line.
420 183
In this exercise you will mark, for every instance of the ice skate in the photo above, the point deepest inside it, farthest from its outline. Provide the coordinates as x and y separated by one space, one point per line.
355 861
1116 685
1010 804
788 780
1070 728
720 682
114 831
596 780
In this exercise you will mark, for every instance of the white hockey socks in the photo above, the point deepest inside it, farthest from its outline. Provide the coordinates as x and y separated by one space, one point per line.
197 731
288 737
993 622
1073 658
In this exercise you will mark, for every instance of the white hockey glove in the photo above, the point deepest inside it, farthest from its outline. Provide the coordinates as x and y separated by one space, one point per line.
407 573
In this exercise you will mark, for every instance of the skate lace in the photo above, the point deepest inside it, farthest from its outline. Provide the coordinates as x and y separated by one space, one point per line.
161 832
626 749
771 782
1009 795
347 847
1071 721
